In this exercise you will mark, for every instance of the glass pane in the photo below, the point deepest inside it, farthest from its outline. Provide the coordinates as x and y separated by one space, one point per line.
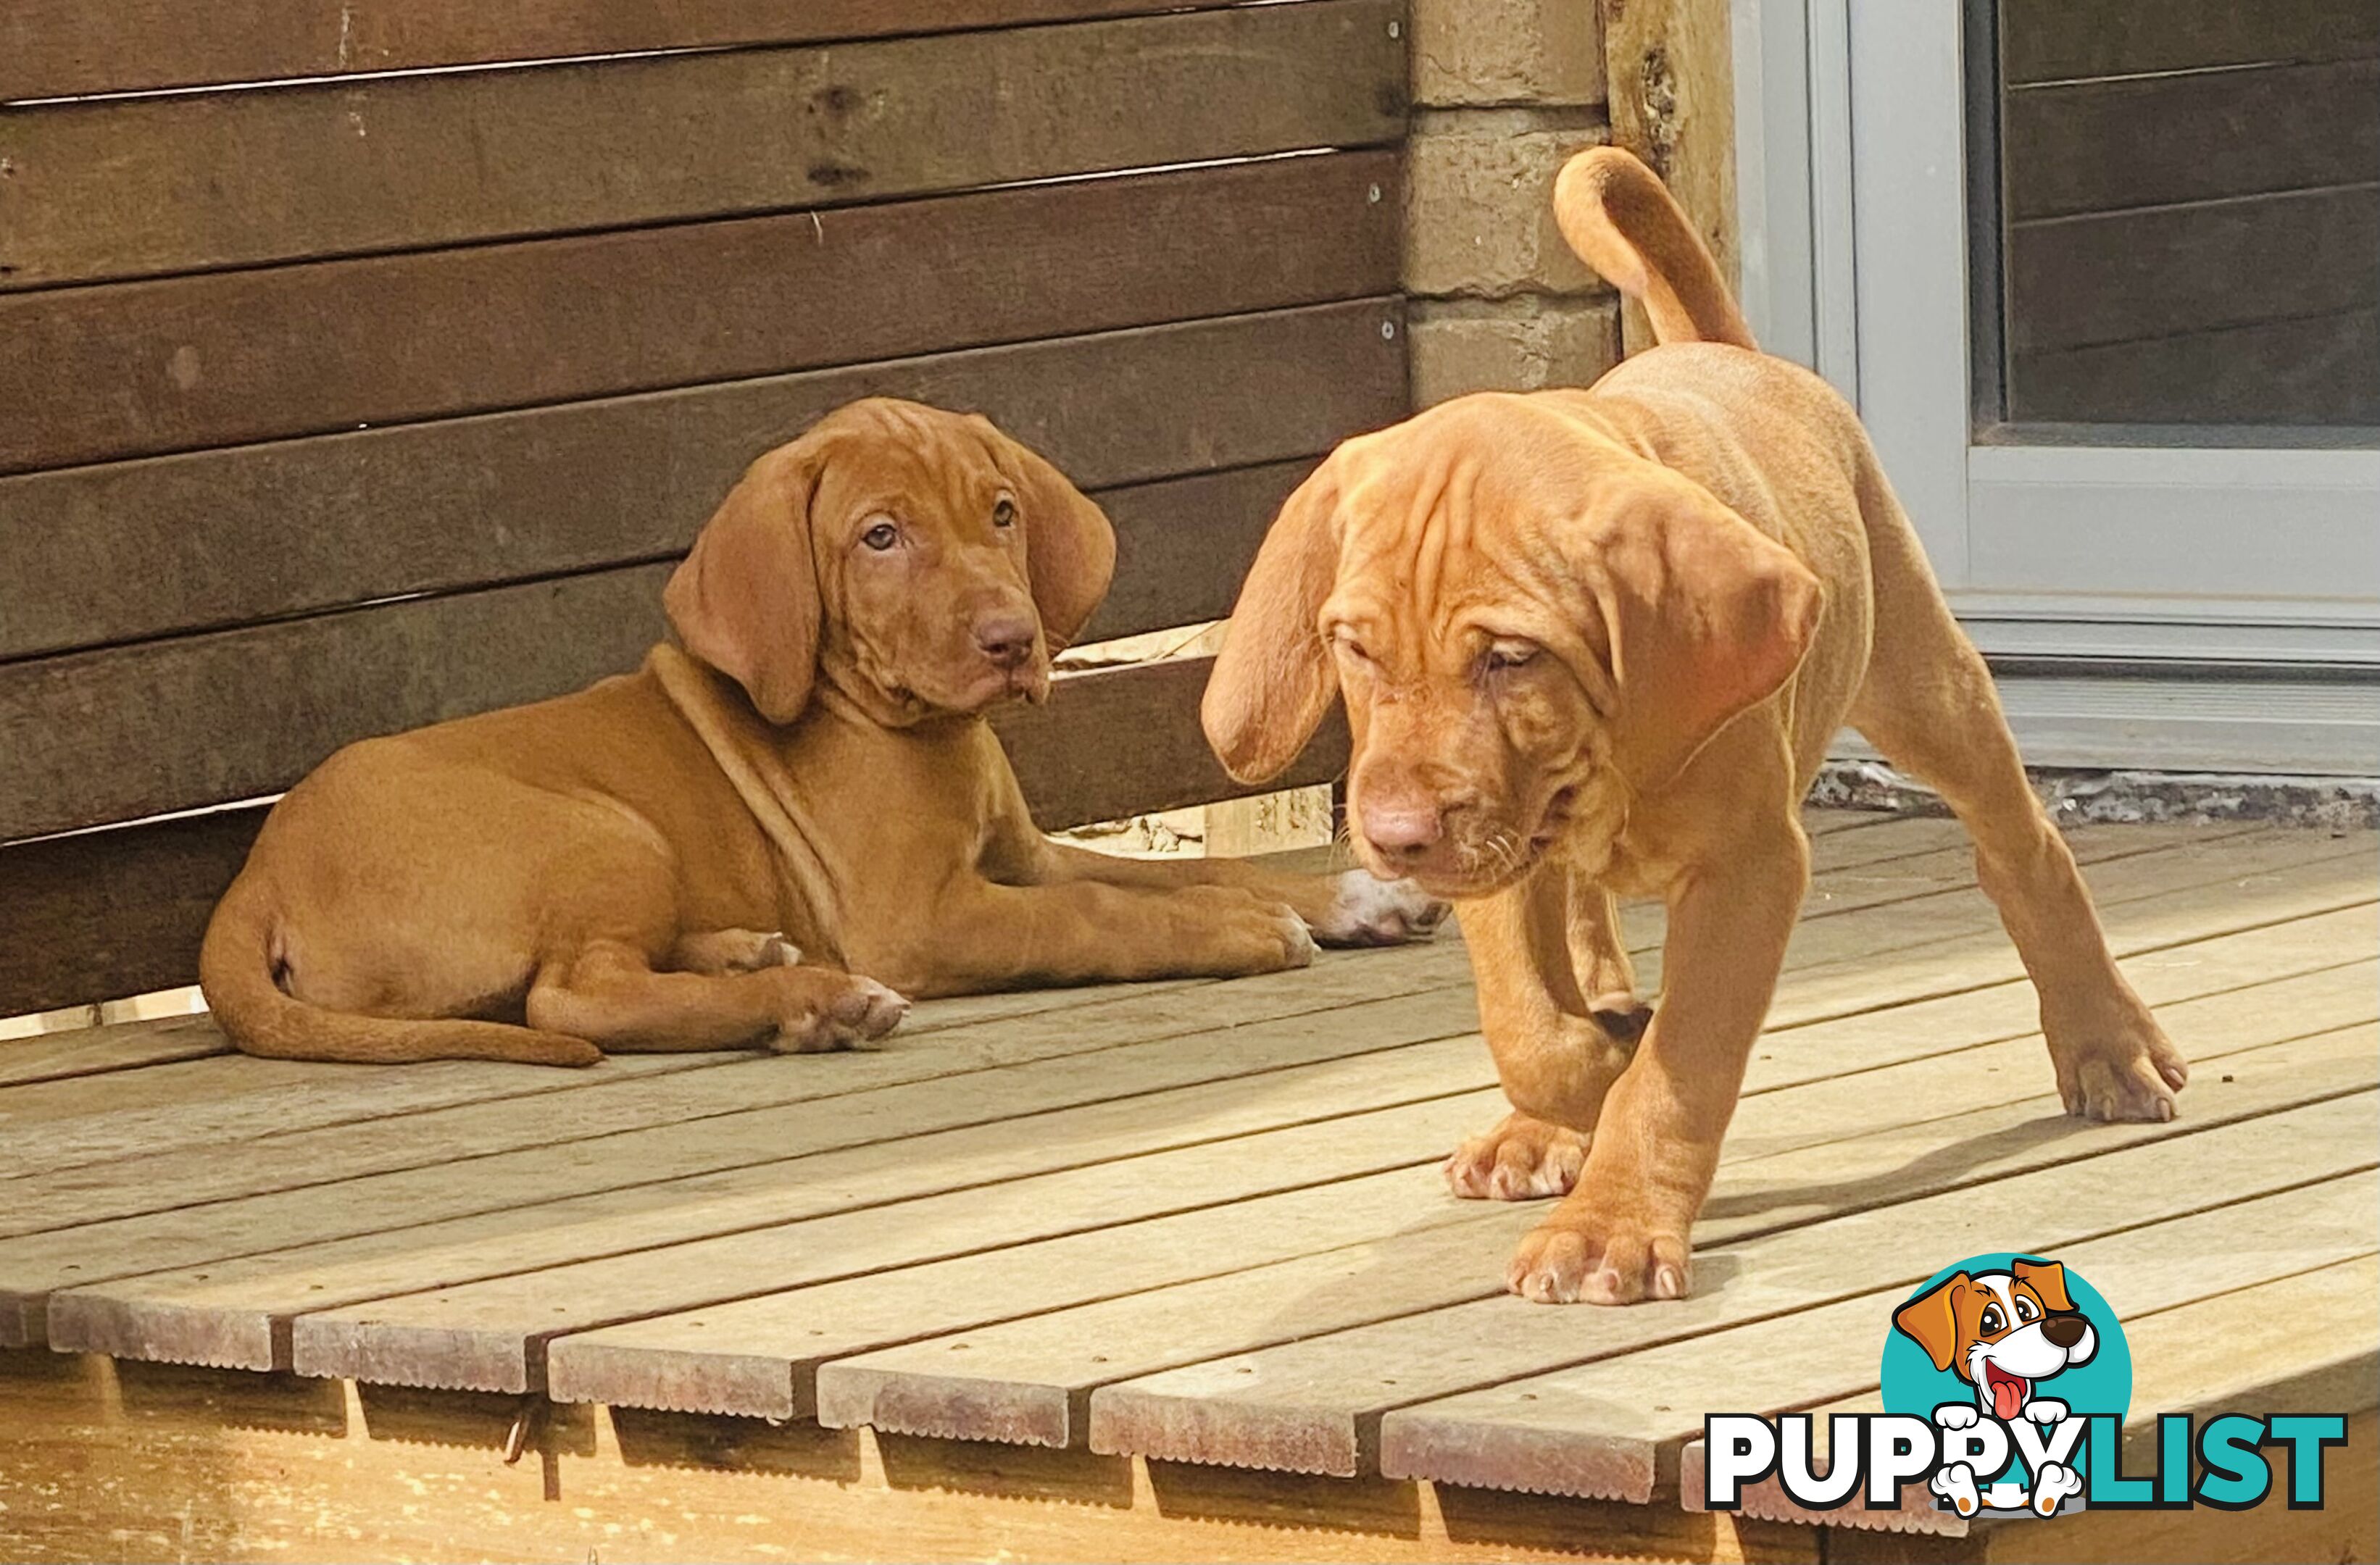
2188 222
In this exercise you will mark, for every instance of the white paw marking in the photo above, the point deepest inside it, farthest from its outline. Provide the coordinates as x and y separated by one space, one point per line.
1955 1415
2051 1486
1366 910
1956 1484
2044 1410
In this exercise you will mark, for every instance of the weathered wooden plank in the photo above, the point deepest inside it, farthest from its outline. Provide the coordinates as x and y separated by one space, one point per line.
102 915
226 358
2054 40
296 526
2113 277
66 48
86 1051
32 1266
1035 1374
201 181
2103 145
2300 1343
1672 101
1190 542
1316 1406
2315 370
162 1177
978 1127
126 731
491 1335
102 1461
86 1123
2151 908
1615 1427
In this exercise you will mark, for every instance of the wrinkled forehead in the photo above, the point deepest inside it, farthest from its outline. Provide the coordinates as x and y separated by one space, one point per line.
905 462
1442 518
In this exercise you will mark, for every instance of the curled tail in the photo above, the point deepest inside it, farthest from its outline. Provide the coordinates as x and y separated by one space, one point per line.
1623 221
236 972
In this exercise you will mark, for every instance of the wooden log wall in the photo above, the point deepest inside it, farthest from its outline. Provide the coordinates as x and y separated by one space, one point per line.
340 401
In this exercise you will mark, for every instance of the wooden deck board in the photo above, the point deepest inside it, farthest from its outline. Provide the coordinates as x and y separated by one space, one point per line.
2218 1355
1051 1361
1200 1223
859 1169
1323 1397
1616 1428
237 1311
936 1133
162 1177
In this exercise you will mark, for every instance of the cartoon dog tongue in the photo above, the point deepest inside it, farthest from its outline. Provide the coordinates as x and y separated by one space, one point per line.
2007 1392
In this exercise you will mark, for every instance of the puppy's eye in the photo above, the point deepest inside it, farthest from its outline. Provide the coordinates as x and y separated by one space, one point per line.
1510 654
880 536
1003 512
1347 643
1992 1321
2025 1310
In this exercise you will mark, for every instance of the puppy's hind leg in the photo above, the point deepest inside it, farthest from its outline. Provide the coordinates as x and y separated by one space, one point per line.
608 991
715 951
1929 704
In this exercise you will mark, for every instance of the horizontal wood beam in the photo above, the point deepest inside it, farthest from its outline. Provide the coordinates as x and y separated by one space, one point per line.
156 186
60 48
291 528
226 358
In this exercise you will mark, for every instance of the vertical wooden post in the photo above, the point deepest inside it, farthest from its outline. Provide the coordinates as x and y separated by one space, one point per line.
1672 98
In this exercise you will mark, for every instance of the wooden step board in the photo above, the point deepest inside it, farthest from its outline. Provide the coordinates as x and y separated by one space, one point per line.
1203 1221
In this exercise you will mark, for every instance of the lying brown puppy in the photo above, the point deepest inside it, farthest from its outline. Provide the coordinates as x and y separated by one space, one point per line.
1597 641
633 867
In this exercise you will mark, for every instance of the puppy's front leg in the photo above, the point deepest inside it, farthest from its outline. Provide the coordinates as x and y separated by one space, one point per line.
1624 1235
986 937
1350 908
1556 1002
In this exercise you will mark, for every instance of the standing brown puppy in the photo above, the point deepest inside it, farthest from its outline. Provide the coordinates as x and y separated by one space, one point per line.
641 866
1597 641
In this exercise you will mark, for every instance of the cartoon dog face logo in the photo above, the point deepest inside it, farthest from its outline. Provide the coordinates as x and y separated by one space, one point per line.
2003 1333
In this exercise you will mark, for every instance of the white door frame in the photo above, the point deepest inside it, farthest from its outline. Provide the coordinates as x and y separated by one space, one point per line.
2214 559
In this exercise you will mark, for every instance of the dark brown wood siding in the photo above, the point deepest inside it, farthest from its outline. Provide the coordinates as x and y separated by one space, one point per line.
338 406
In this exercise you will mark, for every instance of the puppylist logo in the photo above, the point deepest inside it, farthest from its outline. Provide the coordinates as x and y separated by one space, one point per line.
2006 1384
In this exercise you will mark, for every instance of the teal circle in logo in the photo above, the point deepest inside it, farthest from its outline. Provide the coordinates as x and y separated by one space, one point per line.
1962 1314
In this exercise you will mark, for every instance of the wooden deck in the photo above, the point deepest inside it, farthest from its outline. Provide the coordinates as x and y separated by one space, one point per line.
1166 1271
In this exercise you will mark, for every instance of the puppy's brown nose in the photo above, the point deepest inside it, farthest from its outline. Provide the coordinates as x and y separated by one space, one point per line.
1005 638
1403 831
2063 1329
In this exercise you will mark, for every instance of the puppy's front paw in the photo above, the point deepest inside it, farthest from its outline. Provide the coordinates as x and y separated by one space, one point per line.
1956 1415
1595 1250
2117 1066
855 1011
1521 1160
2044 1410
1366 910
1239 932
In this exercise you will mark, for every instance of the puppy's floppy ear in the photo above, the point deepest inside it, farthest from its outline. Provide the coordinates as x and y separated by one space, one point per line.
1705 615
1274 679
2048 1279
746 600
1931 1321
1070 548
